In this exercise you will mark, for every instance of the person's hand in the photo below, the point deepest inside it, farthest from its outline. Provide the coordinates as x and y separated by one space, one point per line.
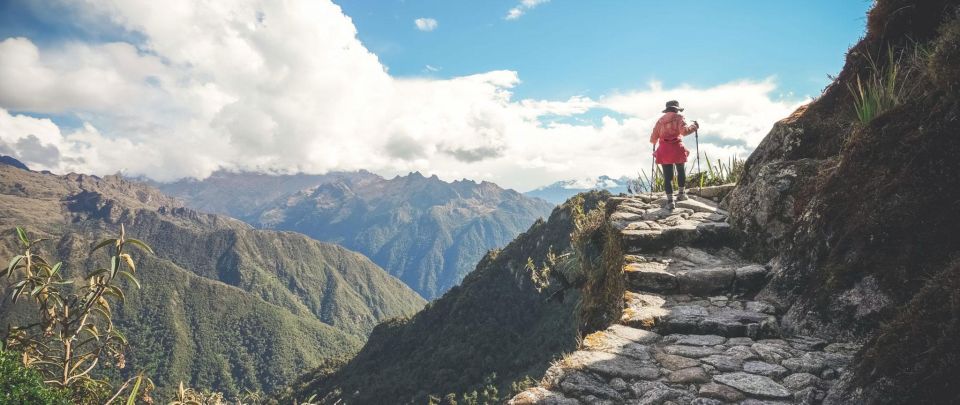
696 124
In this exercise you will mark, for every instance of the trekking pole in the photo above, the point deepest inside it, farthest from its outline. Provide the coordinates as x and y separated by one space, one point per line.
696 137
653 168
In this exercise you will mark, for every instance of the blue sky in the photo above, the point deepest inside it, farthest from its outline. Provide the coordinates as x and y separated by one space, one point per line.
565 47
562 90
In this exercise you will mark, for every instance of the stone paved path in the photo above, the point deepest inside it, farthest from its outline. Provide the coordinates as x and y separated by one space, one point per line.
691 332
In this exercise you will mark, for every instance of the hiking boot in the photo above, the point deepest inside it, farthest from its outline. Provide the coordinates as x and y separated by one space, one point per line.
669 205
682 195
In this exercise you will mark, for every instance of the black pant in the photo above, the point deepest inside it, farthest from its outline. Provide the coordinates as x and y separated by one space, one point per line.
668 177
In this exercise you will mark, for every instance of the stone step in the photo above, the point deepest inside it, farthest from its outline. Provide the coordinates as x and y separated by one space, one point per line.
629 365
647 227
686 270
684 233
721 315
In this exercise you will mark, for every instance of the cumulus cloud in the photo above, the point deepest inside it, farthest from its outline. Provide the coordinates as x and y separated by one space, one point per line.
524 6
285 87
425 24
740 112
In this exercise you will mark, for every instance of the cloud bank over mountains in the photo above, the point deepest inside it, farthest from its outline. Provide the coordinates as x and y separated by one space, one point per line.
286 86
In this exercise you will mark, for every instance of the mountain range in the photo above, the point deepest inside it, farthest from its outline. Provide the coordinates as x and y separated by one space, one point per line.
557 193
427 232
223 306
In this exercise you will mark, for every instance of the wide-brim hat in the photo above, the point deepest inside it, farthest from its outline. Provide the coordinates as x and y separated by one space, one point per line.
673 104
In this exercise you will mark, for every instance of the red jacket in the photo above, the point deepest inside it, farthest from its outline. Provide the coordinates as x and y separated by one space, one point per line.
669 131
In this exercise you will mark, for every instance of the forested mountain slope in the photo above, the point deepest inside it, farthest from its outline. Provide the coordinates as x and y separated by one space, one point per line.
506 321
424 231
223 306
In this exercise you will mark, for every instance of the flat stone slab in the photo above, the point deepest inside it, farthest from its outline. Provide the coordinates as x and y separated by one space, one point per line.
611 365
642 310
691 375
721 392
633 334
675 362
655 392
741 352
765 369
771 353
724 363
696 319
690 351
697 340
606 341
578 383
541 396
799 381
753 384
697 205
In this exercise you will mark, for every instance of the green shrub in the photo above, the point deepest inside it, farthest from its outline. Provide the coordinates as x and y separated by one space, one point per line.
596 246
886 86
74 331
23 385
718 173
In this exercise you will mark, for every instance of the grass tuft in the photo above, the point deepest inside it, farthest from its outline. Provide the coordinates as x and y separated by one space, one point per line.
887 86
718 172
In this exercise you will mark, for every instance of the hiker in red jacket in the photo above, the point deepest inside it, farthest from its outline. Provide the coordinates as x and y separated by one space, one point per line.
669 131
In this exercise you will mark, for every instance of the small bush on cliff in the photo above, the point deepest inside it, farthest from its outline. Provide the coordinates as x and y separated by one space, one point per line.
597 248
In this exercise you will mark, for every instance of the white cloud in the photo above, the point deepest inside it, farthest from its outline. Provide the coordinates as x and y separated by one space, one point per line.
524 6
741 111
288 87
425 24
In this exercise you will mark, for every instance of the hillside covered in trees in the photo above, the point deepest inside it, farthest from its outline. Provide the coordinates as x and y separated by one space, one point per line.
223 306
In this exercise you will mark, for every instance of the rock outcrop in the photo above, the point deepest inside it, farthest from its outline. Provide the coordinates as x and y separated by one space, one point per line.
691 331
857 219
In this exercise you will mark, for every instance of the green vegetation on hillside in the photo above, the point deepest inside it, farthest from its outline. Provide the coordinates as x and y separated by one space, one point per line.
503 324
424 231
223 307
73 332
712 173
22 385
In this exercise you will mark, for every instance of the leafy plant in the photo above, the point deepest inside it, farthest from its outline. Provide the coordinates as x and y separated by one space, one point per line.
886 86
645 183
540 276
718 172
22 385
74 331
191 396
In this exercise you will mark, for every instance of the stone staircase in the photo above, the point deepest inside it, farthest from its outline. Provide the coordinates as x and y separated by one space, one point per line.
691 332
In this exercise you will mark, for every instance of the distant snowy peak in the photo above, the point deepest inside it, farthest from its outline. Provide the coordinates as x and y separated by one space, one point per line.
560 191
587 183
